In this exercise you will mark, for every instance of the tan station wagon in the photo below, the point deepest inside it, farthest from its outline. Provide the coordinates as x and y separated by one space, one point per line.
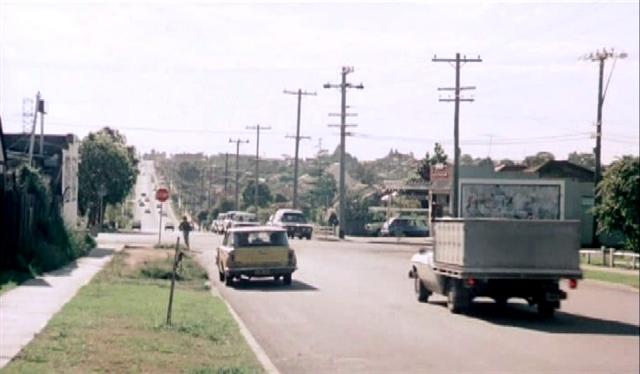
258 251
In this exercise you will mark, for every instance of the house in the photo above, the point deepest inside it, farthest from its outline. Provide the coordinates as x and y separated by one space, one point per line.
59 161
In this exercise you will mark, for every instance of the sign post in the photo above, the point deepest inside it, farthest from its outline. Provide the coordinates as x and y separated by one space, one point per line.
162 194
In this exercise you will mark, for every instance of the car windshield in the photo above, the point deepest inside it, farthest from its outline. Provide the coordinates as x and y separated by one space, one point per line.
259 239
293 217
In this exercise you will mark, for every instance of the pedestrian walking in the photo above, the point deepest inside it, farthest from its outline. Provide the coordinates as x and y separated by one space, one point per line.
185 227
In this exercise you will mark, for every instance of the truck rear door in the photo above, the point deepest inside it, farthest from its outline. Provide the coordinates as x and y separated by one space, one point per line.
261 249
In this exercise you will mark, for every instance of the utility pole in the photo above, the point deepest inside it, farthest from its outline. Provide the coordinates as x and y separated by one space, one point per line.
343 116
238 142
456 118
226 173
209 188
42 113
255 189
297 138
33 128
600 57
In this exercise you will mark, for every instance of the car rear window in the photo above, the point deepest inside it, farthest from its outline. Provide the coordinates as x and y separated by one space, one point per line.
293 217
259 239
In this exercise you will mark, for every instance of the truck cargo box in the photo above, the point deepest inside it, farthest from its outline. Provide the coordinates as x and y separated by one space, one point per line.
511 247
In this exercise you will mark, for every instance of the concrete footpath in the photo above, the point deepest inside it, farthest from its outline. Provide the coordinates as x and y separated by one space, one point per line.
26 309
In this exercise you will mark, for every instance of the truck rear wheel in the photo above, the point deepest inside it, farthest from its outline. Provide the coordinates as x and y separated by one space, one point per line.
457 299
286 279
422 293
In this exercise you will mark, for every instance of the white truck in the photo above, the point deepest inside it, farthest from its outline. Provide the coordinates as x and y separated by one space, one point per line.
500 259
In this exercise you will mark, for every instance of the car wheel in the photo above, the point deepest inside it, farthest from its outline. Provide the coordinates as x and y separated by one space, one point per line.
422 293
308 237
286 279
228 281
221 276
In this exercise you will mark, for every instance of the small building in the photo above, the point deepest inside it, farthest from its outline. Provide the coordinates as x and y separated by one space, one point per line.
59 161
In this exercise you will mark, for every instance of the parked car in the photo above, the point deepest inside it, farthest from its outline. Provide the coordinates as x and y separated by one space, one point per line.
373 228
293 221
259 251
136 225
405 226
228 218
169 226
243 219
147 210
217 226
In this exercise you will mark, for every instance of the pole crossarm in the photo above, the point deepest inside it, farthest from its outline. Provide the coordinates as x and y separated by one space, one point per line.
454 100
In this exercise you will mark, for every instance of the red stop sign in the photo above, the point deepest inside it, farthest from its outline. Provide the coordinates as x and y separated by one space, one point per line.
162 194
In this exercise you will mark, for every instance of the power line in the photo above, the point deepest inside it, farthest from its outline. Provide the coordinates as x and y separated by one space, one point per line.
299 93
343 125
456 115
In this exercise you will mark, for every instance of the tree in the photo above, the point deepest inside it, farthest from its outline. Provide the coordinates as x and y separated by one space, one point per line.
366 174
586 160
264 194
466 159
321 193
439 157
487 161
424 166
538 159
107 166
506 161
619 193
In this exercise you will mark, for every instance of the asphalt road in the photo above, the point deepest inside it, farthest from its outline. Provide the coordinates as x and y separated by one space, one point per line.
147 184
351 308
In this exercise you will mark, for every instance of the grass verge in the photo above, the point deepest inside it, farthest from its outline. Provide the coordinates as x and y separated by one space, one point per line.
626 279
117 324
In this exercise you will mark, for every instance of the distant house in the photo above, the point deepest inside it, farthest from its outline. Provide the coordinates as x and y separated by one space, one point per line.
59 162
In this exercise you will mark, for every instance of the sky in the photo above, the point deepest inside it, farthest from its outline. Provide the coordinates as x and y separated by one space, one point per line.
188 76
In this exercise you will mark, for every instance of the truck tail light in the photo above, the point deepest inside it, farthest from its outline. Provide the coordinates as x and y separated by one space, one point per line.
573 284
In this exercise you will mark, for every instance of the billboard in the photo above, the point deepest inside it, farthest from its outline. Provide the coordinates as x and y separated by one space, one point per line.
516 199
